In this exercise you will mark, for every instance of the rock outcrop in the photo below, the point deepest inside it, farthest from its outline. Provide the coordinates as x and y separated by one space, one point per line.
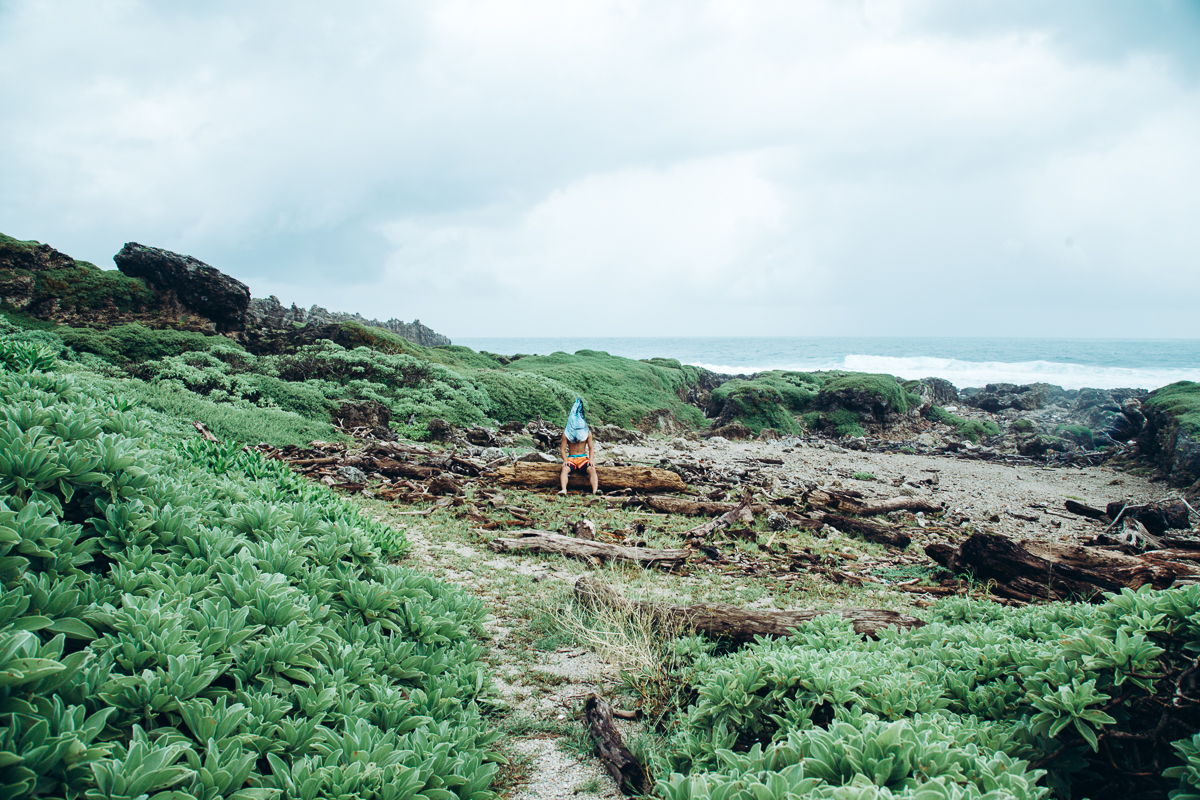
188 281
1170 438
270 314
999 396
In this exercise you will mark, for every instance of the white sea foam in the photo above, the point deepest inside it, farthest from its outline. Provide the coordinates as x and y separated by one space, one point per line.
978 373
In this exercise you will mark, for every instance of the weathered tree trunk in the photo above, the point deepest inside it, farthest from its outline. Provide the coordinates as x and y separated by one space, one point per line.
642 479
620 763
585 529
548 542
738 624
1086 511
871 531
1028 570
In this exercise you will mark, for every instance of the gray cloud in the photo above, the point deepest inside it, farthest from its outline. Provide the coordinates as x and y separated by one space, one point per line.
768 168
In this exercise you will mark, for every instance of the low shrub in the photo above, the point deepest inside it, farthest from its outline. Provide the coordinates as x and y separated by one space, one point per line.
884 391
187 620
133 343
1079 434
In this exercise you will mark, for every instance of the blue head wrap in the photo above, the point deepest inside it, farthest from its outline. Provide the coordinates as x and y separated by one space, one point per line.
577 427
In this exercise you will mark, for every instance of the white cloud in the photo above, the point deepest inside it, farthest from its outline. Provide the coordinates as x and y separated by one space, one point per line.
723 167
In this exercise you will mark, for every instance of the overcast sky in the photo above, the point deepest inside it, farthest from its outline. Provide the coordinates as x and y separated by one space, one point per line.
940 167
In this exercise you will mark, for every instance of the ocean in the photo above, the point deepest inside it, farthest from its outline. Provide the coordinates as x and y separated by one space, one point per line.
1070 363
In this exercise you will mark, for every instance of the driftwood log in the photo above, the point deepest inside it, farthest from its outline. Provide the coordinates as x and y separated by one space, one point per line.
724 621
914 504
679 505
1034 570
642 479
871 531
618 761
550 542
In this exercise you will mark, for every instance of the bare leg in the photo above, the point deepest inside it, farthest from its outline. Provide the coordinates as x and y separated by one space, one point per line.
595 479
562 478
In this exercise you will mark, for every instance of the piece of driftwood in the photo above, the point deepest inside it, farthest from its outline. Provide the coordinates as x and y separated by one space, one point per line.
643 479
740 513
550 542
1157 517
204 432
914 504
725 621
1032 570
1086 511
871 531
618 761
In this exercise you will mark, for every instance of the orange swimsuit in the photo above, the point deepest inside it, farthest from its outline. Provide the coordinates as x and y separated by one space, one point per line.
577 461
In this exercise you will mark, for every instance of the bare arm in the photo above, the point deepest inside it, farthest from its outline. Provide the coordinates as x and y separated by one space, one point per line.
591 449
562 446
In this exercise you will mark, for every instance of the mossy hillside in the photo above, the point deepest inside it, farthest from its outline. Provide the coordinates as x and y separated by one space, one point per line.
768 400
884 393
190 619
74 284
618 390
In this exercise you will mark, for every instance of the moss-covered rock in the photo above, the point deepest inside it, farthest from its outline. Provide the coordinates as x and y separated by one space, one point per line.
1171 438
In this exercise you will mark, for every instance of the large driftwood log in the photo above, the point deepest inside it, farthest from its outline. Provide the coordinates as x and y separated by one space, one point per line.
871 531
724 621
549 542
618 761
642 479
1030 570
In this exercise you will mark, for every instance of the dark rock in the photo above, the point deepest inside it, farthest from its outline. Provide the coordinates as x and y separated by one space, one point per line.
351 475
937 392
734 430
615 434
659 421
1038 445
384 434
512 427
997 396
481 437
362 414
439 430
200 288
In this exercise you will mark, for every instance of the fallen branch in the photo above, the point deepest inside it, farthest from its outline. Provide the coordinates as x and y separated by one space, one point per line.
617 760
549 542
205 433
724 621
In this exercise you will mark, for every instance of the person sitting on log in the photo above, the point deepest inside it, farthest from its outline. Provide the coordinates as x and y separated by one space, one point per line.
577 446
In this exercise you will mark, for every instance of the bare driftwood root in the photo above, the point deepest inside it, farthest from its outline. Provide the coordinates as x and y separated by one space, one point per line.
724 621
642 479
620 763
740 513
549 542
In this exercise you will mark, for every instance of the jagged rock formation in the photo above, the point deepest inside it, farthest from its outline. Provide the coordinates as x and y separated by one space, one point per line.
182 280
271 314
162 289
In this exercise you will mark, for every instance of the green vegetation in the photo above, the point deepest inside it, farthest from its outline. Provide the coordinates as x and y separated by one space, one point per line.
961 708
1182 401
189 621
134 343
863 476
1024 426
883 391
970 429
